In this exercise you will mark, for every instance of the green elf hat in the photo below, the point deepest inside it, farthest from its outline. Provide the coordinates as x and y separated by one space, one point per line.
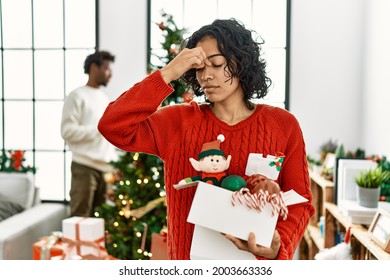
212 148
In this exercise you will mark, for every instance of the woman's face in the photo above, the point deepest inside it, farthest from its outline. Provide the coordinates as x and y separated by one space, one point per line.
214 78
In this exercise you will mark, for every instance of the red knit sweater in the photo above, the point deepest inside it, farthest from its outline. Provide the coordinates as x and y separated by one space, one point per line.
135 122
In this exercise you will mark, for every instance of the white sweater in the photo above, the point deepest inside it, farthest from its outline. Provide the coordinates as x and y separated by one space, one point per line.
82 110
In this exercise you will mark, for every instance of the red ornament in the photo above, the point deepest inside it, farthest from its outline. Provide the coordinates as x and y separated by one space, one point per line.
161 26
188 96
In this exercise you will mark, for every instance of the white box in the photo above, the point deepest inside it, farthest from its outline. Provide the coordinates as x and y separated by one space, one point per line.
81 229
212 209
212 245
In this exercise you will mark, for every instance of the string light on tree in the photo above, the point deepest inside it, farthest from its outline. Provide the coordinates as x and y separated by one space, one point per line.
136 202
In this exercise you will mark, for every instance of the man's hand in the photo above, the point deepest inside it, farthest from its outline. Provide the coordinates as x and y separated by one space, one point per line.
252 247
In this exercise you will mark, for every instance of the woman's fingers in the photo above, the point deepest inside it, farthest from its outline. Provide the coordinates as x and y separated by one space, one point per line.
252 247
184 61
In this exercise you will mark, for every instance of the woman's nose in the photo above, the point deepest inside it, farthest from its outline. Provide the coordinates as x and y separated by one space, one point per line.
207 73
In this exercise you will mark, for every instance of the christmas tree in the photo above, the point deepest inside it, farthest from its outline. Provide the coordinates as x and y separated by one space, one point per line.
173 37
136 199
135 207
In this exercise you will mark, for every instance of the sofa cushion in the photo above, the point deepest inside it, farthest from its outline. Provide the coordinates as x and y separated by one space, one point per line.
18 187
9 208
19 232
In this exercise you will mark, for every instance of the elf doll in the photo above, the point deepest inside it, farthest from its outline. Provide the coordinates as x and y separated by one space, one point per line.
212 162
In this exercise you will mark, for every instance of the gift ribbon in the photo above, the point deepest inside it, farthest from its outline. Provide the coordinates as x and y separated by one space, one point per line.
78 243
143 242
50 241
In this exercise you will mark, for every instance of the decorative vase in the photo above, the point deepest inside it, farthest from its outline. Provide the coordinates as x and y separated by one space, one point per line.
368 197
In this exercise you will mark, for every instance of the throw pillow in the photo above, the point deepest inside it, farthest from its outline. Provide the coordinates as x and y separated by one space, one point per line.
9 208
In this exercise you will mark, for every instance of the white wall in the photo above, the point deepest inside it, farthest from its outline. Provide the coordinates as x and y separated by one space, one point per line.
338 78
123 32
376 98
326 77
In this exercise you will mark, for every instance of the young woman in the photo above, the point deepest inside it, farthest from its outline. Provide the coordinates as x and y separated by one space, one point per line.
221 61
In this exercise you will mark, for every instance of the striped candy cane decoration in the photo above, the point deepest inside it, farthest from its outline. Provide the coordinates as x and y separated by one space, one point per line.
258 200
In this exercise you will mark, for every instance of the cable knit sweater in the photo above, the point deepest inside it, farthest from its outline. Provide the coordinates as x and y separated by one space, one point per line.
135 122
83 108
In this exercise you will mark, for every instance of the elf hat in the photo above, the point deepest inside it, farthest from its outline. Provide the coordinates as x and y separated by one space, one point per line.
212 148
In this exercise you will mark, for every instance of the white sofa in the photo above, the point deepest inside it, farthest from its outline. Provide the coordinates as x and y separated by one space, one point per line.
20 231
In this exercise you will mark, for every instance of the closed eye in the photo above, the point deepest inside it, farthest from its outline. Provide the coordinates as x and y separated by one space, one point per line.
215 61
209 65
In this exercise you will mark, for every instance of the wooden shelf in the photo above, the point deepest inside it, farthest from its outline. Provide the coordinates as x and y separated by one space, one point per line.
337 214
321 181
311 243
322 191
363 247
334 216
315 235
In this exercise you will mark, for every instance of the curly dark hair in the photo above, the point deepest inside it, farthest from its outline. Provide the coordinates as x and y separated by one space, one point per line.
97 57
242 54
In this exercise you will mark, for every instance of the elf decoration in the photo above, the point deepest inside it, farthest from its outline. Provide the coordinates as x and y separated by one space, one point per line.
213 163
260 172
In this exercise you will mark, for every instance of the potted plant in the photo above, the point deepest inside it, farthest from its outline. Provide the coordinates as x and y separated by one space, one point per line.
369 182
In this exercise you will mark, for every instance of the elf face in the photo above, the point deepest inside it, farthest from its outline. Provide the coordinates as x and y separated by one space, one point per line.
214 164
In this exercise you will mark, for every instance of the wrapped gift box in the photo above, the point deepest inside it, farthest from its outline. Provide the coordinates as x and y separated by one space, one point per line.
159 246
84 238
212 209
48 247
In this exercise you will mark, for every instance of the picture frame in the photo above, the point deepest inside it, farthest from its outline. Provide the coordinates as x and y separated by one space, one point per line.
330 160
345 170
379 229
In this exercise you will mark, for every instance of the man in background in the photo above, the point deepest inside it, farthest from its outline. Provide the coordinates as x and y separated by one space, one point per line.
91 153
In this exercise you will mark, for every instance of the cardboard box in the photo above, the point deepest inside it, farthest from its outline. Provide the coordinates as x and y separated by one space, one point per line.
212 209
84 237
